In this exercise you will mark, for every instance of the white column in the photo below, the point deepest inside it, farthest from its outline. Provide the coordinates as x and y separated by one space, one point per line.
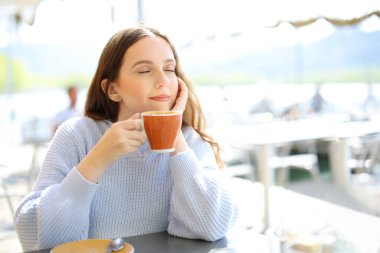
264 153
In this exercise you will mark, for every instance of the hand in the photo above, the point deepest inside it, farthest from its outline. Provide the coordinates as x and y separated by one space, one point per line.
180 105
183 94
121 138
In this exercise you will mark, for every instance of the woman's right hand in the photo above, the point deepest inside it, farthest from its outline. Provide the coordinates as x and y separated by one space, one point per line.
121 138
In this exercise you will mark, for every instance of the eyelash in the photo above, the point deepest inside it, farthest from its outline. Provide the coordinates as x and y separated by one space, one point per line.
167 70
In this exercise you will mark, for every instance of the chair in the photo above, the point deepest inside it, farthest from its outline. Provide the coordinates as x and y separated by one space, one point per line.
365 154
7 228
29 175
284 161
8 195
238 162
36 133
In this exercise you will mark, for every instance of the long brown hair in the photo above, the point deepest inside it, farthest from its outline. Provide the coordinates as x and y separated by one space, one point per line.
100 107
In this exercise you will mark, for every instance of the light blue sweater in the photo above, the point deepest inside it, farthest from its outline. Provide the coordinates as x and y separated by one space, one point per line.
142 192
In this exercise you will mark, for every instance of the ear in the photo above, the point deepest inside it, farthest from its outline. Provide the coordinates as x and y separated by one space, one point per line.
112 90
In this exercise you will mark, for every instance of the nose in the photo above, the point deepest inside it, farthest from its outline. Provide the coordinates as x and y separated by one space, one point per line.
162 80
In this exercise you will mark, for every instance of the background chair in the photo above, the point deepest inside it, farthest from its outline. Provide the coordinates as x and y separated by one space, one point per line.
8 194
7 198
238 162
365 172
365 152
305 159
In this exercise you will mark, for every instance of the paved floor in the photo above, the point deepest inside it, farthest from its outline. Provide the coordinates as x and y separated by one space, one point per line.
329 192
8 238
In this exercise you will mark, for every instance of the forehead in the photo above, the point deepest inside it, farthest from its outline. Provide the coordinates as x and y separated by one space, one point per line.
149 48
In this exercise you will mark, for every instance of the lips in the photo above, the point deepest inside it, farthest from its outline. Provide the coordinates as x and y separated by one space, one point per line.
161 98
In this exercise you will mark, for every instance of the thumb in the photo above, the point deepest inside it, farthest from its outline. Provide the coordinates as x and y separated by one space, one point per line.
135 116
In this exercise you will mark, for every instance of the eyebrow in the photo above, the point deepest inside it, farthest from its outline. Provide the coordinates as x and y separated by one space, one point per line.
150 62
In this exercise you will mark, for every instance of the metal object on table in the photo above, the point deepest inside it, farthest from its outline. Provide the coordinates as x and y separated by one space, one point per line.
116 245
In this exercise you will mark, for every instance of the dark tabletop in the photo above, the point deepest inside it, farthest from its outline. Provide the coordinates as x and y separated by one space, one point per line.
164 243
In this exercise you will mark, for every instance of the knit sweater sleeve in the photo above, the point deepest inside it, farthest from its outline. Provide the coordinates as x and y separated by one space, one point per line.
200 207
57 210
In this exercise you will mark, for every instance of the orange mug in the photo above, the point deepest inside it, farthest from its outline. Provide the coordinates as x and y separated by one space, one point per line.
161 129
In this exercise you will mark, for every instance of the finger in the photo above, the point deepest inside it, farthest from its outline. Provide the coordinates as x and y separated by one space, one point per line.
136 135
182 89
135 116
128 148
134 143
131 145
129 124
180 103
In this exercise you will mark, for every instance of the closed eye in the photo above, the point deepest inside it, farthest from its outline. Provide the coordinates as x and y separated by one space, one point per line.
169 68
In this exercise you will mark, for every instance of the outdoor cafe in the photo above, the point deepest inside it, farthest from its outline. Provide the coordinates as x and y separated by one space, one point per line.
299 136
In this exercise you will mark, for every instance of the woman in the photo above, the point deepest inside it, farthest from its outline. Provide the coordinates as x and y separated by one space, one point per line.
99 178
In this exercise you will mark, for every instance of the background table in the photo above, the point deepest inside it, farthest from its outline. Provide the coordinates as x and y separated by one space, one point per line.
295 213
261 139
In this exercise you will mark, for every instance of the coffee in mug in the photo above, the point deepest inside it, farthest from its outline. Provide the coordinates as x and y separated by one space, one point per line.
161 128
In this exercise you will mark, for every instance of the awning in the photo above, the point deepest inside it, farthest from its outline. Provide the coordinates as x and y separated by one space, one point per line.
76 20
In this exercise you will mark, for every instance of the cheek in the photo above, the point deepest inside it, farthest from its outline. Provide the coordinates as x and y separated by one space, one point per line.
138 97
174 85
135 90
132 91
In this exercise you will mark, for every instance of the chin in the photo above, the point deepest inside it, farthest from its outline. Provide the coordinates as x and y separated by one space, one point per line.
161 108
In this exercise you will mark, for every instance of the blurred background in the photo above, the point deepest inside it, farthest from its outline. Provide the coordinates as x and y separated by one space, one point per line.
252 63
47 45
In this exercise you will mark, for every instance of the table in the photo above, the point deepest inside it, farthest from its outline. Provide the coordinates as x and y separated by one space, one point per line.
239 240
292 212
295 213
261 138
300 213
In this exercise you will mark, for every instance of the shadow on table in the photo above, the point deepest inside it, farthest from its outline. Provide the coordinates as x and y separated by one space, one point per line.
172 244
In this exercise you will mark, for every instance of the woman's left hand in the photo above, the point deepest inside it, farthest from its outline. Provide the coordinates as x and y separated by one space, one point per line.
183 94
180 105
